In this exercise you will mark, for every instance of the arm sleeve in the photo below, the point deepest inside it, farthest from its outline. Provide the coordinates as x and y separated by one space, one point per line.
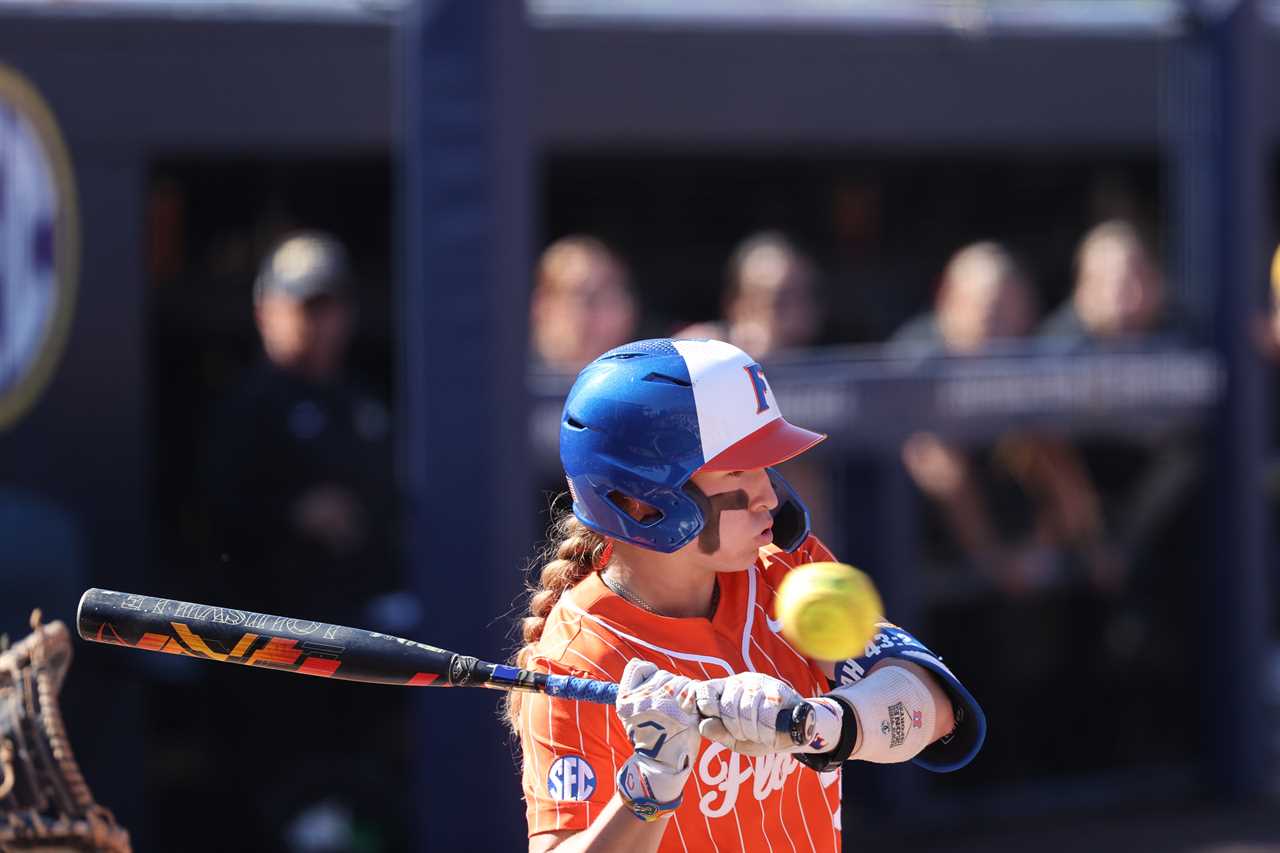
949 753
571 752
956 749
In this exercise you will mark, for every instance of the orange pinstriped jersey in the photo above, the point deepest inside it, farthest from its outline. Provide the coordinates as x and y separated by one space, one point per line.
572 750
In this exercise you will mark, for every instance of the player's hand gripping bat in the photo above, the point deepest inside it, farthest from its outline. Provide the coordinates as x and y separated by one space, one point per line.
227 635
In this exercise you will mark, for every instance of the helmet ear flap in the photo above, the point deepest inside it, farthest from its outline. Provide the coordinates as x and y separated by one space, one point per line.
642 513
790 516
627 509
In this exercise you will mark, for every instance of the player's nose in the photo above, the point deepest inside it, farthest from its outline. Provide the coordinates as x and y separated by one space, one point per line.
763 497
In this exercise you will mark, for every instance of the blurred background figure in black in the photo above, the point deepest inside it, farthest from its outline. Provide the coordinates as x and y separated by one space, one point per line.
582 304
1119 295
300 485
304 517
769 298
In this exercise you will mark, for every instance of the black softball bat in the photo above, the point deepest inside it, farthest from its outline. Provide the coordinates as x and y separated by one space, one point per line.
228 635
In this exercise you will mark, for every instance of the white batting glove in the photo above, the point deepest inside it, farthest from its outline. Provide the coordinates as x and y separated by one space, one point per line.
742 710
658 712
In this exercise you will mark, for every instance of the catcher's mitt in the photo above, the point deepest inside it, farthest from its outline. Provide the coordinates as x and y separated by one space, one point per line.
45 804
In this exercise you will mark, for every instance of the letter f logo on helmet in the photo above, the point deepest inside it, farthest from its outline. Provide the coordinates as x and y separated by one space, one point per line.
756 374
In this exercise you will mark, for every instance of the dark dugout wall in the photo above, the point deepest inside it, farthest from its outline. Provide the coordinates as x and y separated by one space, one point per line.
127 89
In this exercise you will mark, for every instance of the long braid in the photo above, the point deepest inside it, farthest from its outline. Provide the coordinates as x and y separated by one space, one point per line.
573 552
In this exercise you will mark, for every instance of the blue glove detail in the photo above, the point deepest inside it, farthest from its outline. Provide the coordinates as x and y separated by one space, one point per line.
639 798
956 749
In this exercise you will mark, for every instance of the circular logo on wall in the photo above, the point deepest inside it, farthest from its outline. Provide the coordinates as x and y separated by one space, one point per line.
39 245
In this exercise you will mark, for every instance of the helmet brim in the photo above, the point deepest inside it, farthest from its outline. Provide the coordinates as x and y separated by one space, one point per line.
772 444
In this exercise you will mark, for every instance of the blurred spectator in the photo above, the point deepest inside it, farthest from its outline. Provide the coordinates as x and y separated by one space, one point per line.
582 304
984 297
303 514
300 465
1120 297
768 305
1119 294
1014 509
769 302
1015 534
1058 531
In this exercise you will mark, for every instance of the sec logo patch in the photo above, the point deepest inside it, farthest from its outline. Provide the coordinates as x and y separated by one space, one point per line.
571 778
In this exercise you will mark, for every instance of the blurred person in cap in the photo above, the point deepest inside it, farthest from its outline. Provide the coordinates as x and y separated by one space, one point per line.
300 466
769 299
582 303
1119 296
303 519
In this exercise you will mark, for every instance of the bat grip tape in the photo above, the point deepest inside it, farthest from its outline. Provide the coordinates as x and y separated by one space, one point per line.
582 689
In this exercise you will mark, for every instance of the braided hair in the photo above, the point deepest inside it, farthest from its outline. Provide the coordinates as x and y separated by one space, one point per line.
572 553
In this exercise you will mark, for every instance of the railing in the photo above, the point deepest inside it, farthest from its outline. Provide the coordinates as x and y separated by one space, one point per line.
866 400
1092 17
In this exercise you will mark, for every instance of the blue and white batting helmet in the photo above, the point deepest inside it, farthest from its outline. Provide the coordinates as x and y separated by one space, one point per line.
642 418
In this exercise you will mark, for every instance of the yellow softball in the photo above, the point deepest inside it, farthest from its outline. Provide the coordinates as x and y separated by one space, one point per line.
828 611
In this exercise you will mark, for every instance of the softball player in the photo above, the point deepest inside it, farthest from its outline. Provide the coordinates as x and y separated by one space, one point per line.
663 579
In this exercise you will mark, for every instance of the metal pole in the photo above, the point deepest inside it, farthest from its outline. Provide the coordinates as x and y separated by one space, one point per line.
1218 145
465 199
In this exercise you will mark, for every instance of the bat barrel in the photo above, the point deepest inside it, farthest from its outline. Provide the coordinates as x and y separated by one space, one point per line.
229 635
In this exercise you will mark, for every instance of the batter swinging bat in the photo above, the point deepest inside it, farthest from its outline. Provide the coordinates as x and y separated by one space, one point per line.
227 635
